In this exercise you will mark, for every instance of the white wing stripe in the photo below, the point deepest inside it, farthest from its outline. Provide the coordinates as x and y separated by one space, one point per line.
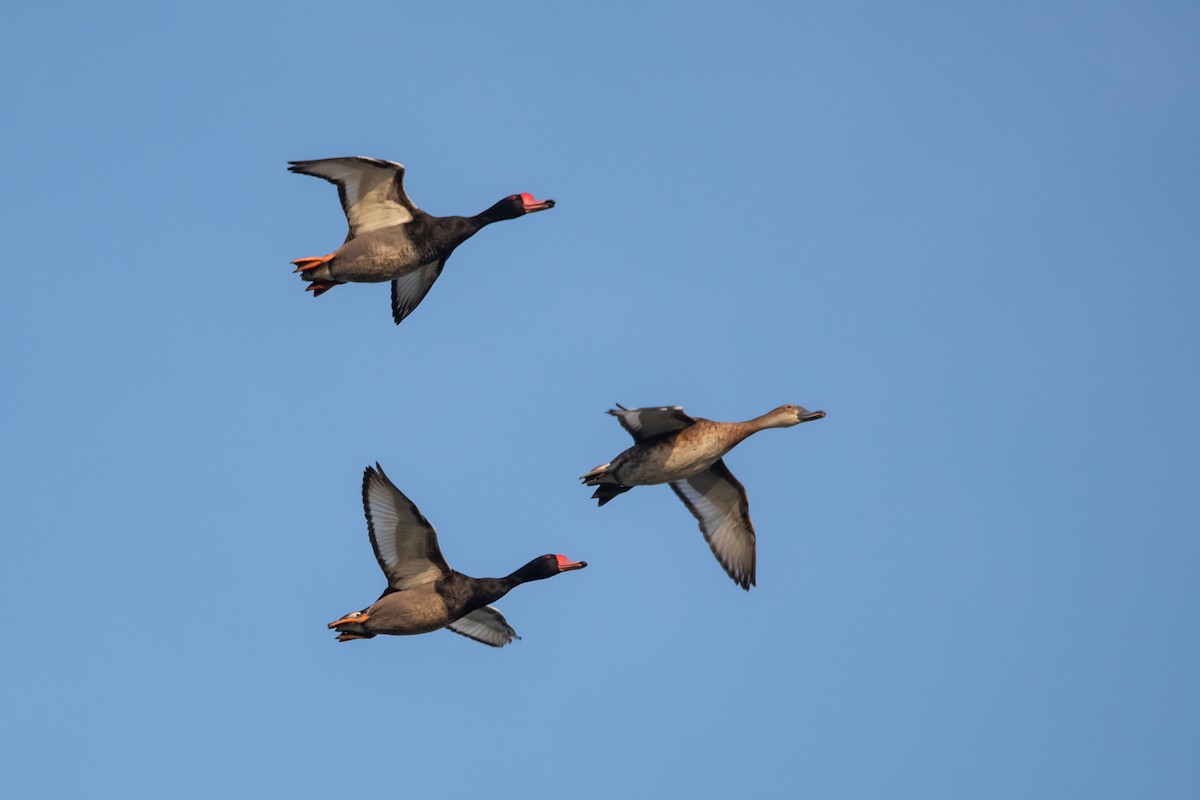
366 186
385 519
404 541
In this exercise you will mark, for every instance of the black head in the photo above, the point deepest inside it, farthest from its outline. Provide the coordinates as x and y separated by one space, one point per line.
516 205
546 566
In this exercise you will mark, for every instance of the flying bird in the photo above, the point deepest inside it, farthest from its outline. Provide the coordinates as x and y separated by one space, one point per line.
390 239
686 452
423 593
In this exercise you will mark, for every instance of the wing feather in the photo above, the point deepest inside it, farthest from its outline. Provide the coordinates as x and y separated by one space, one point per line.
485 625
718 502
371 190
404 542
650 423
410 289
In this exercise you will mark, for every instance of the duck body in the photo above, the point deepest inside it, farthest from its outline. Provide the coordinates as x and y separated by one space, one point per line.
390 239
674 456
687 453
423 593
420 609
397 250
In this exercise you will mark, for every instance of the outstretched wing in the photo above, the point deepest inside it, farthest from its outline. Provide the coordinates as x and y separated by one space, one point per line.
718 502
405 544
371 190
485 625
410 289
649 423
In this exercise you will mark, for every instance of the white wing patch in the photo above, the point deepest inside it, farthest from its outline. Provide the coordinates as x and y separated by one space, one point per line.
718 502
405 543
371 190
410 289
485 625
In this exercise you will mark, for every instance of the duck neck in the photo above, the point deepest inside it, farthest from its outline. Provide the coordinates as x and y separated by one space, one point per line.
763 422
497 213
533 571
495 588
489 590
456 230
736 432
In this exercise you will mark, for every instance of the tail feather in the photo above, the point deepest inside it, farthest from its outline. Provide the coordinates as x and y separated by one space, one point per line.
606 485
593 477
607 491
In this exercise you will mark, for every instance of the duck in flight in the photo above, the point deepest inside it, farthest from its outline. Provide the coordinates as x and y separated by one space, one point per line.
686 452
390 239
423 593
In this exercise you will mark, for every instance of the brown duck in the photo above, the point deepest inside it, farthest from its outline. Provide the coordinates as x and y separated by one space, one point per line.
686 452
423 593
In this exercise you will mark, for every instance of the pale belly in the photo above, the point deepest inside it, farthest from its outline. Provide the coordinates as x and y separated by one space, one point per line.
661 465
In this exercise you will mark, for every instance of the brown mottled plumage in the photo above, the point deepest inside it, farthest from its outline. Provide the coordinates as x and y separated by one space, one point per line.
686 452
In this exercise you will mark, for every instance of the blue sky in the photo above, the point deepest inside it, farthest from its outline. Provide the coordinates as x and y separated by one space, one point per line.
967 233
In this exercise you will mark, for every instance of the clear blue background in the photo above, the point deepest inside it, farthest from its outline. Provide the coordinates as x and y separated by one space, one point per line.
966 231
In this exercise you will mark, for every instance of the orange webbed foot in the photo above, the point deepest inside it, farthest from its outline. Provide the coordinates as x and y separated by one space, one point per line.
355 617
305 264
319 287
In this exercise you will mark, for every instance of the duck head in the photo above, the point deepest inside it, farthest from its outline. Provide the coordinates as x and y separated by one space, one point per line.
546 566
789 415
516 205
